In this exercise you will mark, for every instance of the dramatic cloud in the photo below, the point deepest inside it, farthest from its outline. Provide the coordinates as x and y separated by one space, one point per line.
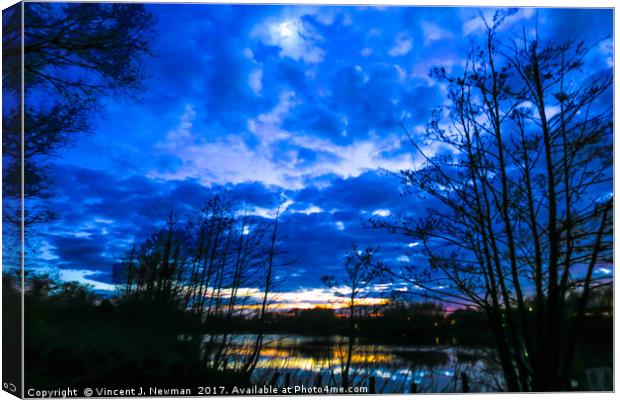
402 46
296 38
302 102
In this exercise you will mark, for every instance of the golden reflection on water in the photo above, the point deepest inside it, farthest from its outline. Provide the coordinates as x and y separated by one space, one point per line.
304 359
277 358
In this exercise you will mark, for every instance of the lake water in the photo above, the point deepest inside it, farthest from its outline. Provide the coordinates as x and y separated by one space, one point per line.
395 368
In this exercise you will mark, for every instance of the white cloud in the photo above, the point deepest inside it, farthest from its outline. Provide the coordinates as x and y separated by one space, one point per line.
248 53
46 252
230 160
366 51
308 211
382 212
325 17
296 39
269 213
215 159
82 276
433 32
347 20
255 81
267 125
354 159
552 111
402 74
476 23
402 45
183 132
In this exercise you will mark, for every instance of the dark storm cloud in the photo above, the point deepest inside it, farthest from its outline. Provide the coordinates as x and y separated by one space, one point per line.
369 191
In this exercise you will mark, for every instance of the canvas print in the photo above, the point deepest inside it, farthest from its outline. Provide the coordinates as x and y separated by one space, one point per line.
219 199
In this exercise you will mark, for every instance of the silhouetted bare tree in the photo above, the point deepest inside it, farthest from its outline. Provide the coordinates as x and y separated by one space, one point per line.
157 268
271 265
206 266
362 273
519 198
74 53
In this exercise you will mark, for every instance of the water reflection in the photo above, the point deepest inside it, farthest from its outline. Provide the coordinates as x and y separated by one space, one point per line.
314 360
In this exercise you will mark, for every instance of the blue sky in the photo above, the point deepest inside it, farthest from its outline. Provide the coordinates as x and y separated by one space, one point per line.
266 100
